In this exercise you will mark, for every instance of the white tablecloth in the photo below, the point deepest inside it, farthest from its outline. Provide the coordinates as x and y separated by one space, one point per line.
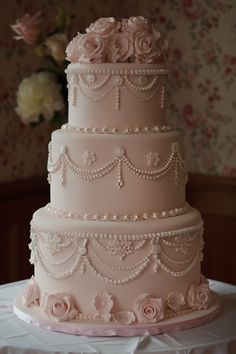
218 336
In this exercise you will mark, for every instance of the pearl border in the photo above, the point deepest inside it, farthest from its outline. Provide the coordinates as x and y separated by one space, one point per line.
107 130
118 217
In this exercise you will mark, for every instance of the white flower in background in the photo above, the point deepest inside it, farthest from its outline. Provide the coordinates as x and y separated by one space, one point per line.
56 45
39 94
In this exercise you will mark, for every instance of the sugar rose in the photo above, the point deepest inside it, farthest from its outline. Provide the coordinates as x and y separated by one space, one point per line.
148 309
104 26
199 297
59 307
91 48
134 24
119 48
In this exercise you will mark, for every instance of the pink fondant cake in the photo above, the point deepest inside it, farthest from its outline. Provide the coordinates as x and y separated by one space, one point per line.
118 249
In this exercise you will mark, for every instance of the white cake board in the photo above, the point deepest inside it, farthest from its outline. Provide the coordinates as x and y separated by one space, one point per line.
33 315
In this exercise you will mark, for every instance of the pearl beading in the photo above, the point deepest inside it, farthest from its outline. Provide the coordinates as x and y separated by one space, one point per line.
121 72
175 161
86 249
121 248
119 78
118 217
110 236
107 130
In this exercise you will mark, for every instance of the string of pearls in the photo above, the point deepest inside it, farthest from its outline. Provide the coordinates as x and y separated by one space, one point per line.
120 268
118 217
97 86
64 159
107 130
110 236
136 72
119 281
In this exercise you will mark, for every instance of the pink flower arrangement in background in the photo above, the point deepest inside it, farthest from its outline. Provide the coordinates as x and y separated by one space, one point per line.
42 96
28 27
132 40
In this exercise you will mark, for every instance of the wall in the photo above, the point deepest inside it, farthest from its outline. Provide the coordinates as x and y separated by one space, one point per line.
202 78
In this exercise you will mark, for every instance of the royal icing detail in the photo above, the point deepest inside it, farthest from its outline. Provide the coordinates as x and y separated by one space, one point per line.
62 307
108 130
141 85
120 217
175 162
85 252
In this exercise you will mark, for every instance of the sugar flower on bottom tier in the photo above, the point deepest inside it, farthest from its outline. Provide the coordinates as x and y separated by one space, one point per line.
199 296
148 309
124 317
30 294
59 306
175 301
39 94
103 304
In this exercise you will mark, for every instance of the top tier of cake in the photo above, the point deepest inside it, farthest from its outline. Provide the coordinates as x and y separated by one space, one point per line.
117 96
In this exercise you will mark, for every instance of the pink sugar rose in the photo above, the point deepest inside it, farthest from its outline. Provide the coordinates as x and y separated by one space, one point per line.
30 294
59 306
134 24
104 26
90 48
124 317
72 52
119 48
148 310
199 297
149 47
103 304
175 301
28 27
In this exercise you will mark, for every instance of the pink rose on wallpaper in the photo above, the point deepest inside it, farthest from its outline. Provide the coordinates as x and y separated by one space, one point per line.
30 294
198 297
28 27
148 309
87 48
59 306
192 9
119 48
192 118
104 26
103 304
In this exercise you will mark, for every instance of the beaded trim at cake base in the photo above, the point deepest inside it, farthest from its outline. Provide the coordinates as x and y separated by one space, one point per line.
95 327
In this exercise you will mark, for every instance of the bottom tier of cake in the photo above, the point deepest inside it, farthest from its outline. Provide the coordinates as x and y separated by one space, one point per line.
143 274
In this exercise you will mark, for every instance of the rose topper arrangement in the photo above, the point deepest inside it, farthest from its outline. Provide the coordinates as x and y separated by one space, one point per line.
133 40
43 95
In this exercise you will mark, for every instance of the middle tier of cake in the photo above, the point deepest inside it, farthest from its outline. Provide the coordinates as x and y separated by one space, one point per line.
117 177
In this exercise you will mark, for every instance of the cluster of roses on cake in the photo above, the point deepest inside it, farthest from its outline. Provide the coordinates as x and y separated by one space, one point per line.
133 40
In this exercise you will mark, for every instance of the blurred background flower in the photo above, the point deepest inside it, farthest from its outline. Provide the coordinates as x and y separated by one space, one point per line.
43 95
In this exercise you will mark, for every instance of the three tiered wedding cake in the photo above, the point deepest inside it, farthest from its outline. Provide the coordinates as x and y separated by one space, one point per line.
118 250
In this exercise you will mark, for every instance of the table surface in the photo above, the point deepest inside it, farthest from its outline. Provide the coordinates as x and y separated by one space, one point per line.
218 336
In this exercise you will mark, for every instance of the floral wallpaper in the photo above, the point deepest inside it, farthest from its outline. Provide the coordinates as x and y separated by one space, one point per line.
202 101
